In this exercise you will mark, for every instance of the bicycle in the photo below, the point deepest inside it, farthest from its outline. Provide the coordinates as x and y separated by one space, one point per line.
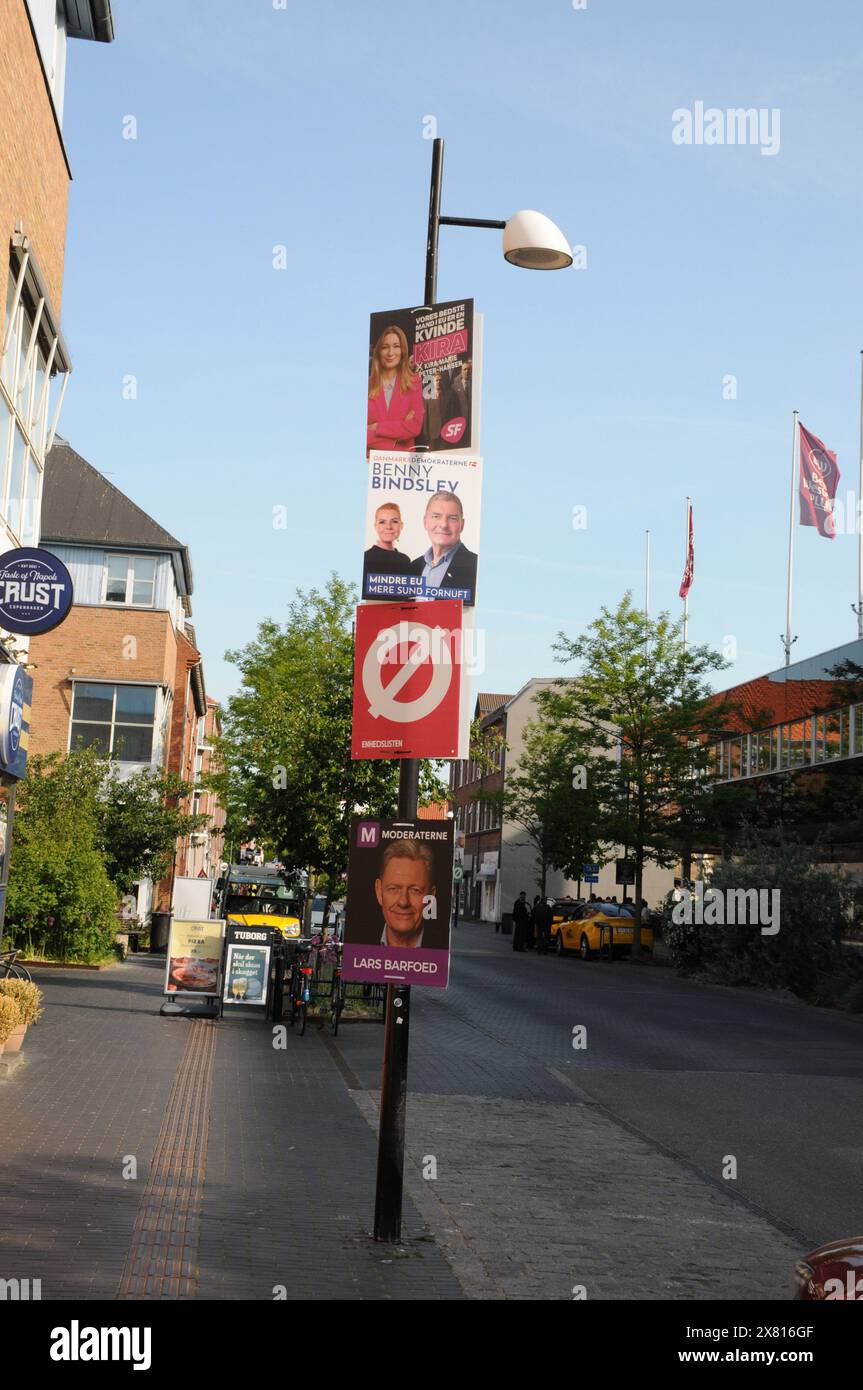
10 971
337 991
301 984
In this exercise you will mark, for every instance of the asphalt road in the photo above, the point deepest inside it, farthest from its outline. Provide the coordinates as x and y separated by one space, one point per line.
706 1073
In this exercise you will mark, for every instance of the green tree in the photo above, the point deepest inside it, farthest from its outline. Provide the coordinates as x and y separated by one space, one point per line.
141 819
285 771
646 701
552 794
61 901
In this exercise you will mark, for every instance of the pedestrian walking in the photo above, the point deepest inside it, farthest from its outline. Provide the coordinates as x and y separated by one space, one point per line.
520 922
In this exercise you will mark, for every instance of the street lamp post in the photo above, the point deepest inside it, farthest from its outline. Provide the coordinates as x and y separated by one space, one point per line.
532 241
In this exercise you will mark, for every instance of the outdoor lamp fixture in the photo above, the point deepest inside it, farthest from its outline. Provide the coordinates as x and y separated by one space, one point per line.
530 239
533 241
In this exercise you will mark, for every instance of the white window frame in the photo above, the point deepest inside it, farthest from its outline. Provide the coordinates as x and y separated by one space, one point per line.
130 558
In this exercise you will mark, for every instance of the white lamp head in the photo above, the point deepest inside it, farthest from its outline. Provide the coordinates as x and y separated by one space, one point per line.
531 240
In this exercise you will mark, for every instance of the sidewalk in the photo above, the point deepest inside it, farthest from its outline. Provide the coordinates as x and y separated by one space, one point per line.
254 1170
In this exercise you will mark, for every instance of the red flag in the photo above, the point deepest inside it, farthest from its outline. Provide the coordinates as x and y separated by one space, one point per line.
689 571
819 477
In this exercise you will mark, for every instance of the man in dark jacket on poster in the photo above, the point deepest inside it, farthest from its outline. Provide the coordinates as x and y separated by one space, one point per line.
520 922
447 564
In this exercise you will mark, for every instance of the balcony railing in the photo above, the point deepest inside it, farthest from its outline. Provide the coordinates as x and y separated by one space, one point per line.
816 741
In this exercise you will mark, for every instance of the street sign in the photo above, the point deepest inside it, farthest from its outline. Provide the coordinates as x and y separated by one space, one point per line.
407 680
400 877
457 874
16 698
625 871
590 873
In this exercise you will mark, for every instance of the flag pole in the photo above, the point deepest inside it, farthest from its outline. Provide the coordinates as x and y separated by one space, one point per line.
685 568
859 528
647 574
788 640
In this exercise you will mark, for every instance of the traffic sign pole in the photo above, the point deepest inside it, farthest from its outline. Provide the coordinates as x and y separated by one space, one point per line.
394 1075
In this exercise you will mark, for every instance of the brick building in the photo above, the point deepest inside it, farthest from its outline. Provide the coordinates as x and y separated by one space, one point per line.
123 671
34 359
479 822
204 850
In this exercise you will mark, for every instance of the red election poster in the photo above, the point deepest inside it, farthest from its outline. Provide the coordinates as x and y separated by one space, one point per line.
407 680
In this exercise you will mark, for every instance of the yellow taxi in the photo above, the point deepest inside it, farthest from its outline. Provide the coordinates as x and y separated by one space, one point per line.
589 929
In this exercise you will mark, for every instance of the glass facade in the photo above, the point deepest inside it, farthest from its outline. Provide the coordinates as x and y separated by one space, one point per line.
26 404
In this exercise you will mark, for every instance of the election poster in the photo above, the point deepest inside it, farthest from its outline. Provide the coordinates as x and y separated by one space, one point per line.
408 660
421 392
397 915
422 526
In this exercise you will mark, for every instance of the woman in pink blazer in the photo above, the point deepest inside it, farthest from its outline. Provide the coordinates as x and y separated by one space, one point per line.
395 395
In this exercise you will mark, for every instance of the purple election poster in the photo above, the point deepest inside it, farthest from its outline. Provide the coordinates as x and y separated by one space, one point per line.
399 901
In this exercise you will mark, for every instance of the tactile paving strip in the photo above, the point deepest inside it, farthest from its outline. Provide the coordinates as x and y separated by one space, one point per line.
163 1254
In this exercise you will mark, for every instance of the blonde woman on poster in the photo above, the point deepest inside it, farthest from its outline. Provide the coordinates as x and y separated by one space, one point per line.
383 557
396 410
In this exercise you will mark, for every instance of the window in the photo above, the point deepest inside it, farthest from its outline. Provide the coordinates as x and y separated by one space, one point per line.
130 579
17 468
118 718
857 715
32 364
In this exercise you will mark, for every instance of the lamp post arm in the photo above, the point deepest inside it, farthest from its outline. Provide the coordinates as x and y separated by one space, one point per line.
471 222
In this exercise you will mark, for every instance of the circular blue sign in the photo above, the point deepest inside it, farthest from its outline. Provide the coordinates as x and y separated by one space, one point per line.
11 690
35 591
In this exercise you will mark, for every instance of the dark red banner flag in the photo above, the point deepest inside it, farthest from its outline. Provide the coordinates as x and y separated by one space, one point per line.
689 571
819 478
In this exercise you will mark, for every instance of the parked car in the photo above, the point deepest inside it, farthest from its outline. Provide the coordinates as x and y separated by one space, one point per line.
589 927
833 1272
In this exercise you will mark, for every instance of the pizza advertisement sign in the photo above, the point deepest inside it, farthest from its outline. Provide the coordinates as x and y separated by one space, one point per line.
408 661
194 958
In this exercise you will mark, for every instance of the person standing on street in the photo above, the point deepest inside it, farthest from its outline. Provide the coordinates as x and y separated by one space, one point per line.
542 920
520 922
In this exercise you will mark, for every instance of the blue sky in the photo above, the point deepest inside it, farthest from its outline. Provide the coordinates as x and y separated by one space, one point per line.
603 387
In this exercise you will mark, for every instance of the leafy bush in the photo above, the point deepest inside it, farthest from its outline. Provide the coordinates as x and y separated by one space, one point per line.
10 1017
813 912
852 999
27 996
